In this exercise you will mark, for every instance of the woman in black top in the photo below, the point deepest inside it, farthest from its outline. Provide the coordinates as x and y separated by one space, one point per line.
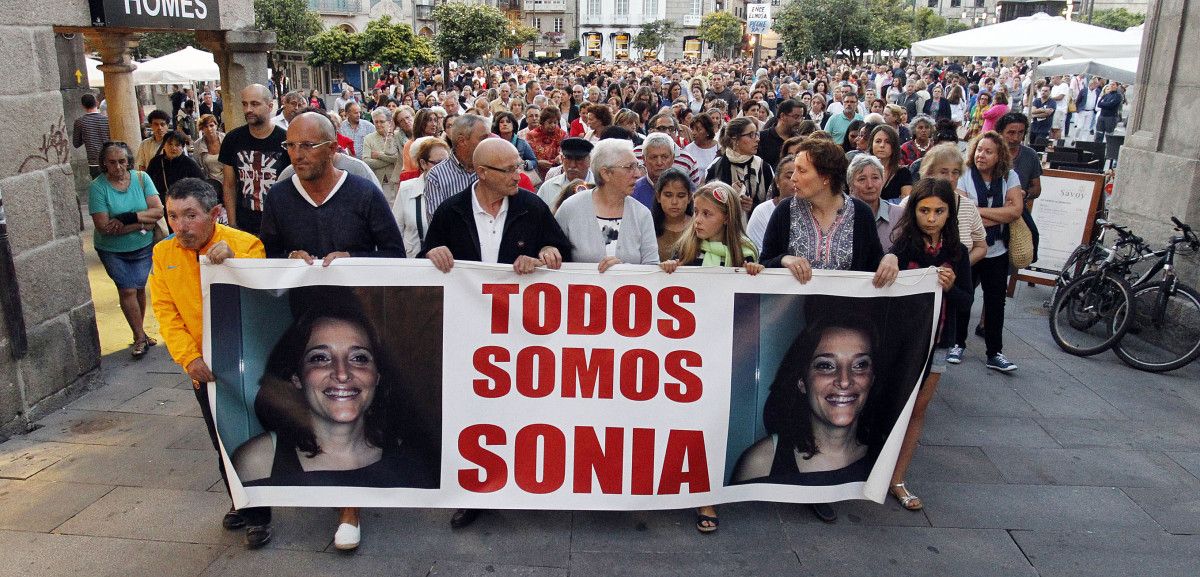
171 165
885 145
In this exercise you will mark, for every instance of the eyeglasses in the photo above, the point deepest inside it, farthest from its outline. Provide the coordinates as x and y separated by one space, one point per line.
632 167
752 134
305 146
665 128
514 169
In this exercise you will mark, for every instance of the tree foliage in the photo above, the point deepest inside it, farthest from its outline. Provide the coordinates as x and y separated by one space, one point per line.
1118 19
721 30
334 46
393 43
518 34
291 20
655 34
468 31
811 27
891 25
155 44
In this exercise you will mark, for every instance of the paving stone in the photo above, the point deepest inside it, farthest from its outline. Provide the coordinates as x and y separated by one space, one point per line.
1160 398
461 569
513 537
1124 434
1097 467
854 551
109 396
990 397
951 464
237 561
39 506
1189 461
1034 507
21 459
42 554
108 428
856 513
981 431
1177 509
137 467
162 401
1094 554
194 437
306 528
744 527
155 515
600 564
1053 392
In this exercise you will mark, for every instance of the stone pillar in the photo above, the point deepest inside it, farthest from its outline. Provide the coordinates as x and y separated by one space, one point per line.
124 122
1159 172
242 57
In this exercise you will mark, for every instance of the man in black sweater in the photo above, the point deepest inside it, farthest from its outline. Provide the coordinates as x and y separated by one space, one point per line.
323 212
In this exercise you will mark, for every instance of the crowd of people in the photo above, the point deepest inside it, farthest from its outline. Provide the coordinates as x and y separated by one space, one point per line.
802 166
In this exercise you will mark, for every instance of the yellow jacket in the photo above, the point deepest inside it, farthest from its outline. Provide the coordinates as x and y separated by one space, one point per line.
175 289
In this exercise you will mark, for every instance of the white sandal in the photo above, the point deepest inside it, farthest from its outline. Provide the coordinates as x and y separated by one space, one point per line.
347 537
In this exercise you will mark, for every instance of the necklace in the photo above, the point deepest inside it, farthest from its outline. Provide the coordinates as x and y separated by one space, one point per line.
920 148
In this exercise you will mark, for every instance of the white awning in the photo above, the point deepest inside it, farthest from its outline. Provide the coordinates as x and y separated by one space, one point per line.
1038 36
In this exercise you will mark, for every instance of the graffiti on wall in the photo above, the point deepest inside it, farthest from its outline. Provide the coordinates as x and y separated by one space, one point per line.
54 150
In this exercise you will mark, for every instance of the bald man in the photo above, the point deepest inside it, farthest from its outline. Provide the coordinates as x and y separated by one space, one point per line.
323 212
252 156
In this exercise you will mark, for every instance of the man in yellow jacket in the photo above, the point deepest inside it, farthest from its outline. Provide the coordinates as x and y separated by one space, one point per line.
192 211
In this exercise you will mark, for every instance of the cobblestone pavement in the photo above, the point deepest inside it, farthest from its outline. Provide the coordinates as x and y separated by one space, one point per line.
1066 467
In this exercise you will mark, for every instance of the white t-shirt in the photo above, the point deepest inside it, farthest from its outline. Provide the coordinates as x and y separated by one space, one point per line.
967 184
490 228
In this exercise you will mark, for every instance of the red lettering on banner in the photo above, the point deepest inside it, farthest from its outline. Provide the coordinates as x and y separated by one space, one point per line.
542 306
642 474
689 387
685 322
553 461
683 445
606 461
590 301
639 385
589 378
500 296
542 448
497 383
493 472
632 311
539 384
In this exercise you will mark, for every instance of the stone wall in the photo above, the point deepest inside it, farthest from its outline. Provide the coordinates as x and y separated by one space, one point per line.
1159 171
37 185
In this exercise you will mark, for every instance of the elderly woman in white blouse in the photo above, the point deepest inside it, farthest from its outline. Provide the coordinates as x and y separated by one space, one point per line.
606 225
410 207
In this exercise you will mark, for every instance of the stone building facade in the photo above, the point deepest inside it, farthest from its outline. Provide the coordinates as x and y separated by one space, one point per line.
39 100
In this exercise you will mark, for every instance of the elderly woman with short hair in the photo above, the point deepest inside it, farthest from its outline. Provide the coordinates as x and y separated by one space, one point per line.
922 139
606 225
865 177
379 152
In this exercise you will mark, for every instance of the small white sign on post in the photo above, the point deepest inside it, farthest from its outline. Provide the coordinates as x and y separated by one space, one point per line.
758 18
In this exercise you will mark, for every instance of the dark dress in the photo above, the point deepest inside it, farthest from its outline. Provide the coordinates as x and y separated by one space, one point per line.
400 466
785 472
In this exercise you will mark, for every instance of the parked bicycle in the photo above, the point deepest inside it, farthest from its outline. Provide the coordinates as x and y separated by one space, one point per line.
1088 312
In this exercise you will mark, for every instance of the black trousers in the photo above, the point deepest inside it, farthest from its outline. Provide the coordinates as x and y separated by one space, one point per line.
992 275
253 515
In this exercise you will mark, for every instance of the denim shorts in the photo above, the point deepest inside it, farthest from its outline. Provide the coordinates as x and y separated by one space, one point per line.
128 269
937 363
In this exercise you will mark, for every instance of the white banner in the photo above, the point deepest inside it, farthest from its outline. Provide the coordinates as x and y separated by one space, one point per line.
385 383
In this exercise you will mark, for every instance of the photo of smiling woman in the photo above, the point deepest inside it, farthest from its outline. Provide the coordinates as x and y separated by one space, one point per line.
815 409
332 359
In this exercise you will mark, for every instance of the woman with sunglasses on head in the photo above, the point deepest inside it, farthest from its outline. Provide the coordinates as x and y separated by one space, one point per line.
740 167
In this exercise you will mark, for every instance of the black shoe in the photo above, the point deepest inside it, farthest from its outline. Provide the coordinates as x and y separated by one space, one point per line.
463 518
979 331
824 512
257 536
233 520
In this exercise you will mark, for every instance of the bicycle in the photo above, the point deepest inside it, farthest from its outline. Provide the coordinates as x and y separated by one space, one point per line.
1088 308
1164 326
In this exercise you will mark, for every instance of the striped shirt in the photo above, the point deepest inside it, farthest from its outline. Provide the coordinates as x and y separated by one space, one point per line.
446 179
683 161
91 132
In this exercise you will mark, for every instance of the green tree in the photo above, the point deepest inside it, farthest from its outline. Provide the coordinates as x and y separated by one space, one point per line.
928 24
518 35
721 30
811 27
155 44
394 44
891 25
291 20
655 34
468 31
334 46
953 26
1118 19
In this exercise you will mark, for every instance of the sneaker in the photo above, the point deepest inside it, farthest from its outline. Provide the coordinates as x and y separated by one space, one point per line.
257 536
347 537
954 357
997 362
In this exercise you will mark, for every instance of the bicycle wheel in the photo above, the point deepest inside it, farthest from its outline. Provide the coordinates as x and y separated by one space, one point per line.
1077 264
1159 343
1088 316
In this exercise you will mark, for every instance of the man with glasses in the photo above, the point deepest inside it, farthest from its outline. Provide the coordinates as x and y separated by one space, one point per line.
253 157
788 116
664 122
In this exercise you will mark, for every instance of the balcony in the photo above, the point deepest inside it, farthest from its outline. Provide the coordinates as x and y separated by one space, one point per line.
609 20
545 6
336 6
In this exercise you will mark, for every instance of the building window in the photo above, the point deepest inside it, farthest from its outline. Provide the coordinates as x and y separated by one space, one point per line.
955 3
621 45
594 7
537 23
622 8
697 7
979 4
933 3
651 8
558 24
774 2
